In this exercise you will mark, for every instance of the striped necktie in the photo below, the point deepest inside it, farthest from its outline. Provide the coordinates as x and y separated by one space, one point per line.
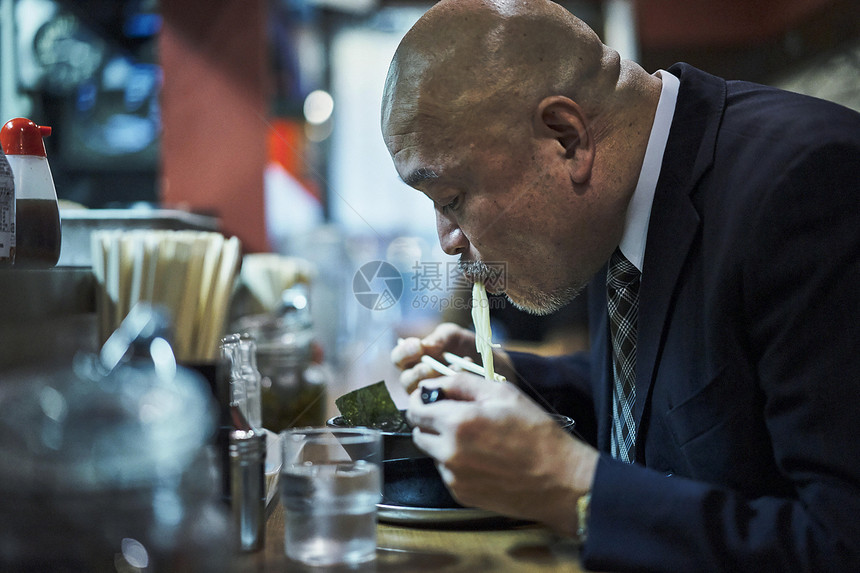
622 284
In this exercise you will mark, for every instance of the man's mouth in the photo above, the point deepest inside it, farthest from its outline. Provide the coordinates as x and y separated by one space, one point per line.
491 274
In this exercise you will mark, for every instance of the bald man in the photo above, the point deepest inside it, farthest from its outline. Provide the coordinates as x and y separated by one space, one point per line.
726 440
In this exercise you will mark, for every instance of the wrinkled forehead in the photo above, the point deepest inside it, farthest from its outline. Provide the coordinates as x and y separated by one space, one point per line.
398 142
418 140
412 117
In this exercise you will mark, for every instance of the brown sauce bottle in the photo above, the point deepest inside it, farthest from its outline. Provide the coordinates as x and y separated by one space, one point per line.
38 234
37 221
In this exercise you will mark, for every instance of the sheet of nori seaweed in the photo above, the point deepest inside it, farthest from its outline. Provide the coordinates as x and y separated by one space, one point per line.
372 406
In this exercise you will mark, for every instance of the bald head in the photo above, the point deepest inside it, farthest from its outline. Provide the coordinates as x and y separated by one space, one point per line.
501 55
526 133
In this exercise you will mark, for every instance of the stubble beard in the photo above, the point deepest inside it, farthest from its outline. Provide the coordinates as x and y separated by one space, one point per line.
532 301
541 303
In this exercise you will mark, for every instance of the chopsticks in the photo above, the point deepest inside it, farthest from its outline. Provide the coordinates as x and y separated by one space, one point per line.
190 273
459 362
437 366
469 365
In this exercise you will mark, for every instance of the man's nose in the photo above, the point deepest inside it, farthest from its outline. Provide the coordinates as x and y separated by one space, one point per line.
451 236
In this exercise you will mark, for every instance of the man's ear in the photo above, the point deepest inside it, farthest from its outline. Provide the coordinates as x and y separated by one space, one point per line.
560 118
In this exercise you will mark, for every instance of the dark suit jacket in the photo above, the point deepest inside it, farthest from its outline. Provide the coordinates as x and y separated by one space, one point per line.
748 359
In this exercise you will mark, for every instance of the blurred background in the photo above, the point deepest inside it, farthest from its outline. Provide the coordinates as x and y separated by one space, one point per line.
264 115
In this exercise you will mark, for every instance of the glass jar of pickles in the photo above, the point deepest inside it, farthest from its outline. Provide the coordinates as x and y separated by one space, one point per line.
293 383
293 387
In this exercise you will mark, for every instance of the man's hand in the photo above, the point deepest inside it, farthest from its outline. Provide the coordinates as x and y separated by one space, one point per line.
498 450
447 337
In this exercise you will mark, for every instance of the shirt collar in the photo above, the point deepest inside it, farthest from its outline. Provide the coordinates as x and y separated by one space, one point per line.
639 211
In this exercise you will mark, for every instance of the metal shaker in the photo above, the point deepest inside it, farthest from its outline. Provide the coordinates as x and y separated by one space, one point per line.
247 457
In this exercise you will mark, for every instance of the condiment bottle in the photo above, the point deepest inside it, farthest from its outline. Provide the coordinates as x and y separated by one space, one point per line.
247 482
240 351
7 213
37 224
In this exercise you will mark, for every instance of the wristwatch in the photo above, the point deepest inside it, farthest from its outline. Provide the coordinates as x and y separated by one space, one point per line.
583 506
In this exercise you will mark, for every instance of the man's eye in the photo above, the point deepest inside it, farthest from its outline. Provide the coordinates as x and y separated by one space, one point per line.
452 205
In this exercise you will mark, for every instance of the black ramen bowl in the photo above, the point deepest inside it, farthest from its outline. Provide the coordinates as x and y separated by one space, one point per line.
410 477
415 482
395 445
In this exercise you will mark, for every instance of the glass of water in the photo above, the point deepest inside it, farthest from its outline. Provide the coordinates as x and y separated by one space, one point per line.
330 483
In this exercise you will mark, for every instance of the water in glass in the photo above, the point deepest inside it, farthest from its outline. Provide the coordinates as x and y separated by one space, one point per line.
331 512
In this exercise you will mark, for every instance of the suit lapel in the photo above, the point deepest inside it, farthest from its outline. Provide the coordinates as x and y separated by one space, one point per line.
674 220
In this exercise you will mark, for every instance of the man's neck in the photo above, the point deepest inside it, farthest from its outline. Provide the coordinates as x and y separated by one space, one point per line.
640 96
629 120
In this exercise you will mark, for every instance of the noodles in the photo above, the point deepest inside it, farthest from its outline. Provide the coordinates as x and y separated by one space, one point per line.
483 332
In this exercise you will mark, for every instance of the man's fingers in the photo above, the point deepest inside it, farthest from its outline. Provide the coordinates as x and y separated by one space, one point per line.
440 447
445 473
467 386
440 335
449 337
407 353
432 444
409 379
437 416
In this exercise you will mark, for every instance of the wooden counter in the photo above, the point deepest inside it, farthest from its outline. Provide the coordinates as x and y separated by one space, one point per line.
498 545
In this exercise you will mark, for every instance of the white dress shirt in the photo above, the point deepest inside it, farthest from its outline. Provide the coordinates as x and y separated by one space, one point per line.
639 211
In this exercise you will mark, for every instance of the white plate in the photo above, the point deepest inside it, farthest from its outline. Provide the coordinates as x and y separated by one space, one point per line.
273 452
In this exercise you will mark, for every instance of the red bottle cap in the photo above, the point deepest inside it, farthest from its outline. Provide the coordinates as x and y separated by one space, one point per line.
20 136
